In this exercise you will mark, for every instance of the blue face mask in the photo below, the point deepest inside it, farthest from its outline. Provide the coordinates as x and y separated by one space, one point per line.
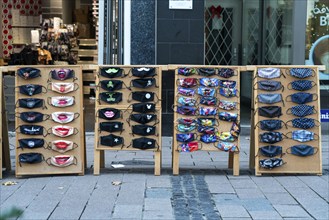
205 91
301 110
208 138
207 111
271 163
227 84
301 73
227 147
185 128
271 137
269 85
207 122
270 124
302 135
301 85
227 92
226 116
206 129
303 123
271 151
269 98
302 150
208 100
269 73
301 97
210 82
186 101
185 137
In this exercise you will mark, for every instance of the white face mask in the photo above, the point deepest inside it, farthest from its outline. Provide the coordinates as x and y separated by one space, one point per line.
62 160
64 117
62 146
64 88
61 101
63 131
269 73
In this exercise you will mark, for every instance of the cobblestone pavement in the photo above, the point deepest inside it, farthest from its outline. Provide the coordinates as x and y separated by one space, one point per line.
205 189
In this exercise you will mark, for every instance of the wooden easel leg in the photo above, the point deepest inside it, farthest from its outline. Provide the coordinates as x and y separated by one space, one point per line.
230 160
236 164
157 163
5 140
175 161
97 155
102 158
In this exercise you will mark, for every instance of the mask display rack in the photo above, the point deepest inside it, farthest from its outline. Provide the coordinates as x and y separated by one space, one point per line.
286 128
198 123
128 112
59 146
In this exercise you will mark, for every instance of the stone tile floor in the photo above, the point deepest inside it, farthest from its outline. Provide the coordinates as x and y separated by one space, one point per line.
205 189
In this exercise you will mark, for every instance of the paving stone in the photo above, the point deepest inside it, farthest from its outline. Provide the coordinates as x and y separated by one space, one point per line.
281 199
236 211
264 215
158 193
157 181
249 193
290 182
226 199
243 183
128 211
291 211
257 204
157 204
220 188
157 215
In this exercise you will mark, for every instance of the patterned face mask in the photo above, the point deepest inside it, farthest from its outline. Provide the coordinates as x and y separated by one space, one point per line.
271 163
185 137
186 110
189 147
301 110
187 71
302 135
62 160
63 88
301 73
111 127
227 105
269 85
143 83
226 116
111 140
62 74
271 150
270 111
143 107
111 97
63 131
185 128
225 136
111 85
208 138
227 147
205 91
186 91
207 121
61 101
206 71
109 113
269 73
302 97
269 98
227 84
208 100
226 72
235 129
207 111
271 137
143 72
144 130
31 89
143 96
28 73
206 129
226 92
62 146
143 118
302 150
270 125
64 117
31 143
209 82
187 82
30 103
33 117
301 85
111 72
303 123
187 121
31 130
186 101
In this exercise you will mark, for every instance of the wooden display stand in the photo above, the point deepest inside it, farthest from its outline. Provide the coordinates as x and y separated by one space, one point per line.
43 168
126 108
224 126
293 164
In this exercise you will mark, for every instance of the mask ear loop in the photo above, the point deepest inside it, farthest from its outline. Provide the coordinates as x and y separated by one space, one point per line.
288 112
316 137
47 161
50 76
47 117
281 74
287 135
289 86
282 100
76 115
158 100
127 108
315 95
287 98
129 97
287 150
75 130
313 84
130 71
130 85
45 134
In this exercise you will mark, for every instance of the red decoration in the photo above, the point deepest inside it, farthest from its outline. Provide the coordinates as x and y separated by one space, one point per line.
216 11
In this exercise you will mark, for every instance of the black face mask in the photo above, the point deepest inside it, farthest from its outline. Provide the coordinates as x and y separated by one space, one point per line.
143 72
62 74
270 150
143 96
206 71
143 143
28 73
112 140
271 163
31 129
302 150
111 72
31 143
30 158
30 103
270 111
144 130
143 107
111 97
269 85
143 83
271 137
142 118
109 113
32 117
111 85
114 126
270 125
30 89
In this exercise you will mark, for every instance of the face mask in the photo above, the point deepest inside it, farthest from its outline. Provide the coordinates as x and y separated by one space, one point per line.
206 129
186 110
63 131
205 91
269 85
109 113
303 123
271 151
189 147
270 125
227 105
143 143
208 100
111 126
225 136
302 150
185 128
33 117
143 118
143 107
207 111
271 137
235 129
208 138
301 85
143 72
62 74
270 111
269 73
206 71
302 135
142 96
61 101
226 72
185 137
301 73
31 129
111 85
64 88
62 146
227 84
186 101
143 83
31 89
111 97
64 117
228 92
301 97
187 82
144 130
62 160
30 103
207 121
187 121
227 147
28 73
209 82
186 71
271 163
31 143
226 116
30 158
301 110
186 91
269 98
111 72
111 140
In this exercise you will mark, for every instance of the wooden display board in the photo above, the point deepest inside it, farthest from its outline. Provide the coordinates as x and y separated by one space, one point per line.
292 163
223 126
125 107
78 123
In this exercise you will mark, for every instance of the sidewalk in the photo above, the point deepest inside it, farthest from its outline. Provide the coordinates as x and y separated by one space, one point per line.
205 189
